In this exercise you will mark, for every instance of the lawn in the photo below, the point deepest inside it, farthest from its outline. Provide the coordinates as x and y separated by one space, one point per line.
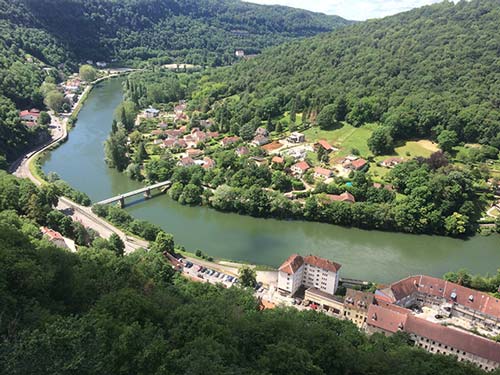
346 138
412 149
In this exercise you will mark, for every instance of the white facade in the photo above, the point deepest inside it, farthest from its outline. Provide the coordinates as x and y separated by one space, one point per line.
290 282
309 275
325 280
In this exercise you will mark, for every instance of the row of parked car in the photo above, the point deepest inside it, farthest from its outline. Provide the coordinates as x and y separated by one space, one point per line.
203 272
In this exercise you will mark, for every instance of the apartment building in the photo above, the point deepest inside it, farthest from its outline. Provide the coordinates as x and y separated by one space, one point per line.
356 304
310 271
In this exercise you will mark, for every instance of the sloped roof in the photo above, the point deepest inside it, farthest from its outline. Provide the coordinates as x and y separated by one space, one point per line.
386 319
322 263
292 264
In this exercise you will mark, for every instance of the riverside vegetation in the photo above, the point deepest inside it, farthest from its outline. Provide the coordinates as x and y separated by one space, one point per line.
98 311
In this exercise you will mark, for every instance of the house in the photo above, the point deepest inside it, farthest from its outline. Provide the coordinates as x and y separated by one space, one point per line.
173 143
226 141
173 133
180 108
333 304
194 153
54 237
300 168
260 140
323 173
151 112
277 160
355 165
239 53
344 197
325 145
296 137
186 162
259 160
206 123
261 131
356 304
310 271
242 150
30 115
208 163
391 162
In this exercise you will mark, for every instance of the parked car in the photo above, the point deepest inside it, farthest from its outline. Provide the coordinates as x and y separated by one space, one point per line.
258 285
189 264
216 274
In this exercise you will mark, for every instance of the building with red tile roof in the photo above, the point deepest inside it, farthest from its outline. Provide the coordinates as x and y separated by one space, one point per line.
277 160
54 237
310 271
300 168
325 145
229 140
320 172
359 164
30 115
385 320
344 197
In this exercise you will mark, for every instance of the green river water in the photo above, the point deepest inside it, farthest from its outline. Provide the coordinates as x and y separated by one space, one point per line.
368 255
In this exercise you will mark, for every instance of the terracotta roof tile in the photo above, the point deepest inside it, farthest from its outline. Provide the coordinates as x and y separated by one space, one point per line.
292 264
322 263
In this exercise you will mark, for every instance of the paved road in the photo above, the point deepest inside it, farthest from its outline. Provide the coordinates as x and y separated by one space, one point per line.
84 215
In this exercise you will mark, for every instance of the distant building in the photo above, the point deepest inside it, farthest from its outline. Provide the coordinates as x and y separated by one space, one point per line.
310 271
322 173
344 197
229 141
277 160
325 145
186 162
242 150
261 131
300 168
260 140
296 137
151 112
30 115
239 53
391 162
54 237
356 304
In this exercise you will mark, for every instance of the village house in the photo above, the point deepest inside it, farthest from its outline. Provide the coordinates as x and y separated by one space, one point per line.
239 53
391 162
206 123
261 131
180 108
324 145
186 162
242 150
322 173
259 160
277 160
173 133
344 197
300 168
296 137
333 304
151 112
194 153
260 140
208 163
310 271
173 143
54 237
355 165
30 115
226 141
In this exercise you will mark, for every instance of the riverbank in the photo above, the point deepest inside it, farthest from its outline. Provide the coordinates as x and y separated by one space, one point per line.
366 255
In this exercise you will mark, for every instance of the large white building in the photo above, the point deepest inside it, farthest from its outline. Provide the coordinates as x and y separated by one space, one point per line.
311 272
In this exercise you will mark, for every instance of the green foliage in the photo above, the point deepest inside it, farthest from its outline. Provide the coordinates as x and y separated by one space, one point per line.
203 33
406 78
381 142
115 149
87 73
93 312
54 100
247 276
44 118
447 139
327 118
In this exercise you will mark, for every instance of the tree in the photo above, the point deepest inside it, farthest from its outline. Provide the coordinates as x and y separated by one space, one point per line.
461 277
117 244
456 224
115 149
44 118
163 242
88 73
54 100
247 276
381 142
447 139
247 131
327 117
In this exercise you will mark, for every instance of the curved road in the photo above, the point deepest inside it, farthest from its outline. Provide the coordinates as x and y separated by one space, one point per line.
21 168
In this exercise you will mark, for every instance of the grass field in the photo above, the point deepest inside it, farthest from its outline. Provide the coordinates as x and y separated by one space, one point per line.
345 139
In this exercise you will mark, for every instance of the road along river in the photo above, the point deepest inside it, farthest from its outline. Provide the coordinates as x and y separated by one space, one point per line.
369 255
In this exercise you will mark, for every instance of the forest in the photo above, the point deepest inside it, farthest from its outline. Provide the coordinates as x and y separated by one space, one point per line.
420 73
199 32
100 312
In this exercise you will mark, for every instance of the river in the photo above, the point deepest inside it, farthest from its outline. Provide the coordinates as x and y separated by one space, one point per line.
368 255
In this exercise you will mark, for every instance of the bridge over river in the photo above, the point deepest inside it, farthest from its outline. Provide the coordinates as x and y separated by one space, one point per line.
146 191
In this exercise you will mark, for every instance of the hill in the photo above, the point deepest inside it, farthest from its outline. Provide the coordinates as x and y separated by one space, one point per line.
421 72
200 32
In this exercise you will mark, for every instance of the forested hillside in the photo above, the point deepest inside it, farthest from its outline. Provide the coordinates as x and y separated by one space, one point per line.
200 32
419 73
99 312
